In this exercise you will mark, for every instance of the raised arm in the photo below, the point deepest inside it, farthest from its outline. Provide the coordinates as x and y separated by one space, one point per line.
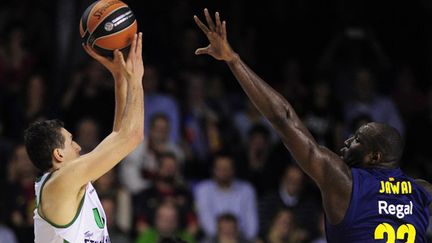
64 191
331 174
130 131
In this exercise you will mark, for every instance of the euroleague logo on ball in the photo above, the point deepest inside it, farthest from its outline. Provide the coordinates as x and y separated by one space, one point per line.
109 26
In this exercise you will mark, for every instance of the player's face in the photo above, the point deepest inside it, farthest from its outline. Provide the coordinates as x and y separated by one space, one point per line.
355 150
71 149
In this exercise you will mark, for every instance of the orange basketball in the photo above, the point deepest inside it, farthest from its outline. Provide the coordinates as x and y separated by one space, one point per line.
107 25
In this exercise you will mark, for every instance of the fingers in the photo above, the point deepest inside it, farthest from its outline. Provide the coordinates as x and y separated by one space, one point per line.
139 47
94 54
89 51
200 51
200 24
224 32
118 57
132 49
218 23
209 20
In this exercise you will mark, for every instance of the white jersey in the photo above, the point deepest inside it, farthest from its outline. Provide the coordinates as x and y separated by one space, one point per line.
88 225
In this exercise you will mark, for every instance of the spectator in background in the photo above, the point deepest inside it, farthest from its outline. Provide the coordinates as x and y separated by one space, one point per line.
20 200
226 194
110 207
293 84
36 103
359 121
323 116
200 120
254 161
138 168
409 98
292 194
366 100
245 119
168 186
321 238
348 50
156 103
284 229
87 134
109 186
89 95
7 235
165 225
16 63
227 231
30 106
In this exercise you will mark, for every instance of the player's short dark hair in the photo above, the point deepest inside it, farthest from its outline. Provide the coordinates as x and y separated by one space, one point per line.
388 141
40 139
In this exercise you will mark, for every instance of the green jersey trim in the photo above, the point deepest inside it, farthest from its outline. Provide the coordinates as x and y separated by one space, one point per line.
49 221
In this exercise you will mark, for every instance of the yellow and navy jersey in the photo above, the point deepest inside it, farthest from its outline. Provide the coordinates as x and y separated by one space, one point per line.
386 206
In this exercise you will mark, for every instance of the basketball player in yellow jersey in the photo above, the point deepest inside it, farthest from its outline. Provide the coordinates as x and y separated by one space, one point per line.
68 208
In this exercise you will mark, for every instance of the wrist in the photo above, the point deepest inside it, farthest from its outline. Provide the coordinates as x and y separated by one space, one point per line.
233 58
119 80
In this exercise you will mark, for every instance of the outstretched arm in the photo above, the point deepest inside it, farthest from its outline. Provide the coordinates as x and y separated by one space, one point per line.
331 174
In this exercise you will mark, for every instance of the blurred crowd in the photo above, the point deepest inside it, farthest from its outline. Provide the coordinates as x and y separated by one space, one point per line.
211 168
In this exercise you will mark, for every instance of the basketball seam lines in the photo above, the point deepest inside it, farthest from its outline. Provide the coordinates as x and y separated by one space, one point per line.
94 42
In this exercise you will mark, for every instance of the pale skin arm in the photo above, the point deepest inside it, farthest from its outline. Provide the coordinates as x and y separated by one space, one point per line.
64 191
330 173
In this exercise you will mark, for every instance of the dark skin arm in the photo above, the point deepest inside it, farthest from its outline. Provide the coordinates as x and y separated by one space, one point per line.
326 168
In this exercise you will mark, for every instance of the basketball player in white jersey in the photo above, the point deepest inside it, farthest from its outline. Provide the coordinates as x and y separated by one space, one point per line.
68 208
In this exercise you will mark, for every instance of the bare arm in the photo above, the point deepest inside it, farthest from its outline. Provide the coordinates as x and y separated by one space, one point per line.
120 102
130 131
65 189
331 174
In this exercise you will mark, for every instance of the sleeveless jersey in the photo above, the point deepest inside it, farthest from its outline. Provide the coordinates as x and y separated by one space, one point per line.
88 225
386 207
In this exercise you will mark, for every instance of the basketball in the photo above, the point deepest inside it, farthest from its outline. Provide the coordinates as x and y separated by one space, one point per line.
107 25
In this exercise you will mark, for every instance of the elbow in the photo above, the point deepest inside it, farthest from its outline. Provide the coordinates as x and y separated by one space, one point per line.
280 116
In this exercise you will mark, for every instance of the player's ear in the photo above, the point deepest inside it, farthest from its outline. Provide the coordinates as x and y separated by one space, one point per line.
376 157
58 155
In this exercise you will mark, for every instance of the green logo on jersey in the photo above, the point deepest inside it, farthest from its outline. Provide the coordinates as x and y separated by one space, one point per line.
100 222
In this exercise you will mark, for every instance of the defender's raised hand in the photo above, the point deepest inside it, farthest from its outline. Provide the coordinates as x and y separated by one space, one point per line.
219 47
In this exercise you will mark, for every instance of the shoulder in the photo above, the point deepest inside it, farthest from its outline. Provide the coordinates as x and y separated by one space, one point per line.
425 184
